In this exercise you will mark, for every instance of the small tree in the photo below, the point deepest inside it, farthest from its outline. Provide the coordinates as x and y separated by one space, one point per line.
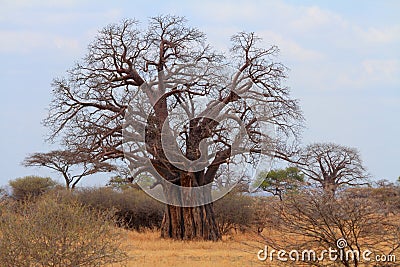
119 183
72 165
31 186
279 182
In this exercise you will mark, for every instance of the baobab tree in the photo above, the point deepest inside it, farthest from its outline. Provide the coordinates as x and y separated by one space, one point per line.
332 166
73 166
162 100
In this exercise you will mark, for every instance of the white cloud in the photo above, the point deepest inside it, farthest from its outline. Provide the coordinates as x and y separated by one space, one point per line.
273 11
313 18
386 68
325 50
70 17
375 35
20 41
65 43
42 25
44 3
291 49
273 17
370 74
28 41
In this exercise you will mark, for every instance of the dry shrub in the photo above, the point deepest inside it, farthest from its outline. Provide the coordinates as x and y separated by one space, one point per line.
31 186
50 233
234 211
264 213
315 220
133 208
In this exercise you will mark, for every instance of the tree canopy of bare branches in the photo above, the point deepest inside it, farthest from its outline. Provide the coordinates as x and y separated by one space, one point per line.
151 95
332 166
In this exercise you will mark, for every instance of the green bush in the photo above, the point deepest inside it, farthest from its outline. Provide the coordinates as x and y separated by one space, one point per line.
31 186
50 233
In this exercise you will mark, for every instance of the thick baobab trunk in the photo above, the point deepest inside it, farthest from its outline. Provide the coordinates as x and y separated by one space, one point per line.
189 222
330 187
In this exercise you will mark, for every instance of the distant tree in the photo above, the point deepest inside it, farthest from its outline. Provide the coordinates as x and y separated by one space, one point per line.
119 183
332 166
278 182
31 186
73 166
383 183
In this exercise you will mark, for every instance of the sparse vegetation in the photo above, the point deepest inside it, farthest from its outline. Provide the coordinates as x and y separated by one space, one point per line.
85 227
48 232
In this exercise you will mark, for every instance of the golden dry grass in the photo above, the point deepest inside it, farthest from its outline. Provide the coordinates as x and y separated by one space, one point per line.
149 250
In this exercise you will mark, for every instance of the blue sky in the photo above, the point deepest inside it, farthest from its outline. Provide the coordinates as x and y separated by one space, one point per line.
344 61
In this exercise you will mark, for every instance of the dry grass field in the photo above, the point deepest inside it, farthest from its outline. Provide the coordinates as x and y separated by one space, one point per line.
149 250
